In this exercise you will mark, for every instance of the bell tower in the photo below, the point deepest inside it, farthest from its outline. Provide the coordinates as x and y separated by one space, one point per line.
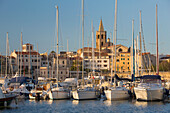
100 36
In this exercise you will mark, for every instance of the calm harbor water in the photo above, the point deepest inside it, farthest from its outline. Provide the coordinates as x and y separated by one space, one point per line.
87 106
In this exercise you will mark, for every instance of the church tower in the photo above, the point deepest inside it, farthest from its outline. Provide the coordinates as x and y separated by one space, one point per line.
100 36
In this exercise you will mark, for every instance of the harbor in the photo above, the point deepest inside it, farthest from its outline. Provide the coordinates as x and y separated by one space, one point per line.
104 74
93 106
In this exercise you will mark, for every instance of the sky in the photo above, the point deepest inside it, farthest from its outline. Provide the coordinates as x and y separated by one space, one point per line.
36 19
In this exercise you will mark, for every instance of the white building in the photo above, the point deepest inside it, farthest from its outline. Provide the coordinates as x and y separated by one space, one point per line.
28 61
49 67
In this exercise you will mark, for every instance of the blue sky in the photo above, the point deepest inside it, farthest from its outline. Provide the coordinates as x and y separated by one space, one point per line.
37 20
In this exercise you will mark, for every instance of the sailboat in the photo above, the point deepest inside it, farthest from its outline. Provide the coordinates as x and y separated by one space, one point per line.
116 92
150 86
57 91
84 92
6 98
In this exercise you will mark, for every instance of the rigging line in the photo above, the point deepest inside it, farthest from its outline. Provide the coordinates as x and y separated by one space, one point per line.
145 49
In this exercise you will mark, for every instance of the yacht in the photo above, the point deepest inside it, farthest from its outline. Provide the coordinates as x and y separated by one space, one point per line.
6 99
149 88
85 93
58 92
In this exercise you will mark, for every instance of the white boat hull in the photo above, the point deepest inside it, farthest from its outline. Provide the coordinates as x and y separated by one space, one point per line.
84 95
117 94
59 95
149 94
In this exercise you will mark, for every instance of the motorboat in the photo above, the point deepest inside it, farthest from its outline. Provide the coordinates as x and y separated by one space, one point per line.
58 92
150 88
6 99
117 93
86 93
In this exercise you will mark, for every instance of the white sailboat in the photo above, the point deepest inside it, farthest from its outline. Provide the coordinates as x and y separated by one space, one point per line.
58 92
116 92
150 87
85 93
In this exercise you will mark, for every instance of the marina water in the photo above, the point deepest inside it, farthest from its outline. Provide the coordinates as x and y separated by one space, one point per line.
86 106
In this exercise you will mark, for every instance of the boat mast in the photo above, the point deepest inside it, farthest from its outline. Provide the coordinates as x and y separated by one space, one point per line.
133 53
37 62
157 52
140 34
115 39
1 64
6 54
67 57
83 42
21 57
47 64
93 47
57 40
135 48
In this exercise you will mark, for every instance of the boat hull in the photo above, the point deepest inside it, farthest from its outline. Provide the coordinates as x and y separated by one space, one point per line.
148 94
117 94
84 95
6 101
56 95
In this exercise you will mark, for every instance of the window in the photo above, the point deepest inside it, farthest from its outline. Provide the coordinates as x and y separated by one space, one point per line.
122 55
61 72
105 65
123 62
102 44
98 36
128 62
105 61
127 58
120 50
86 61
63 62
99 61
102 36
117 60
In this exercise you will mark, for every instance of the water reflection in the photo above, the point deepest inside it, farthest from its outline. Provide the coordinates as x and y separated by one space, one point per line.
49 101
75 102
146 104
116 103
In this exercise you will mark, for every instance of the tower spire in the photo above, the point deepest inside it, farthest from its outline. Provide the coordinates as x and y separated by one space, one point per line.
101 28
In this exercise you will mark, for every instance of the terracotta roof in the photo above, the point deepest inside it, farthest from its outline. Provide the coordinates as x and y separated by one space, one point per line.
96 54
146 53
27 44
27 53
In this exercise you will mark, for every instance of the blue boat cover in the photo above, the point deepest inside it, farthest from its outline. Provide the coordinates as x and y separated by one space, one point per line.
20 80
151 77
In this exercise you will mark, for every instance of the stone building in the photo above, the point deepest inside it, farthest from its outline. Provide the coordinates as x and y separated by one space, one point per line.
28 60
